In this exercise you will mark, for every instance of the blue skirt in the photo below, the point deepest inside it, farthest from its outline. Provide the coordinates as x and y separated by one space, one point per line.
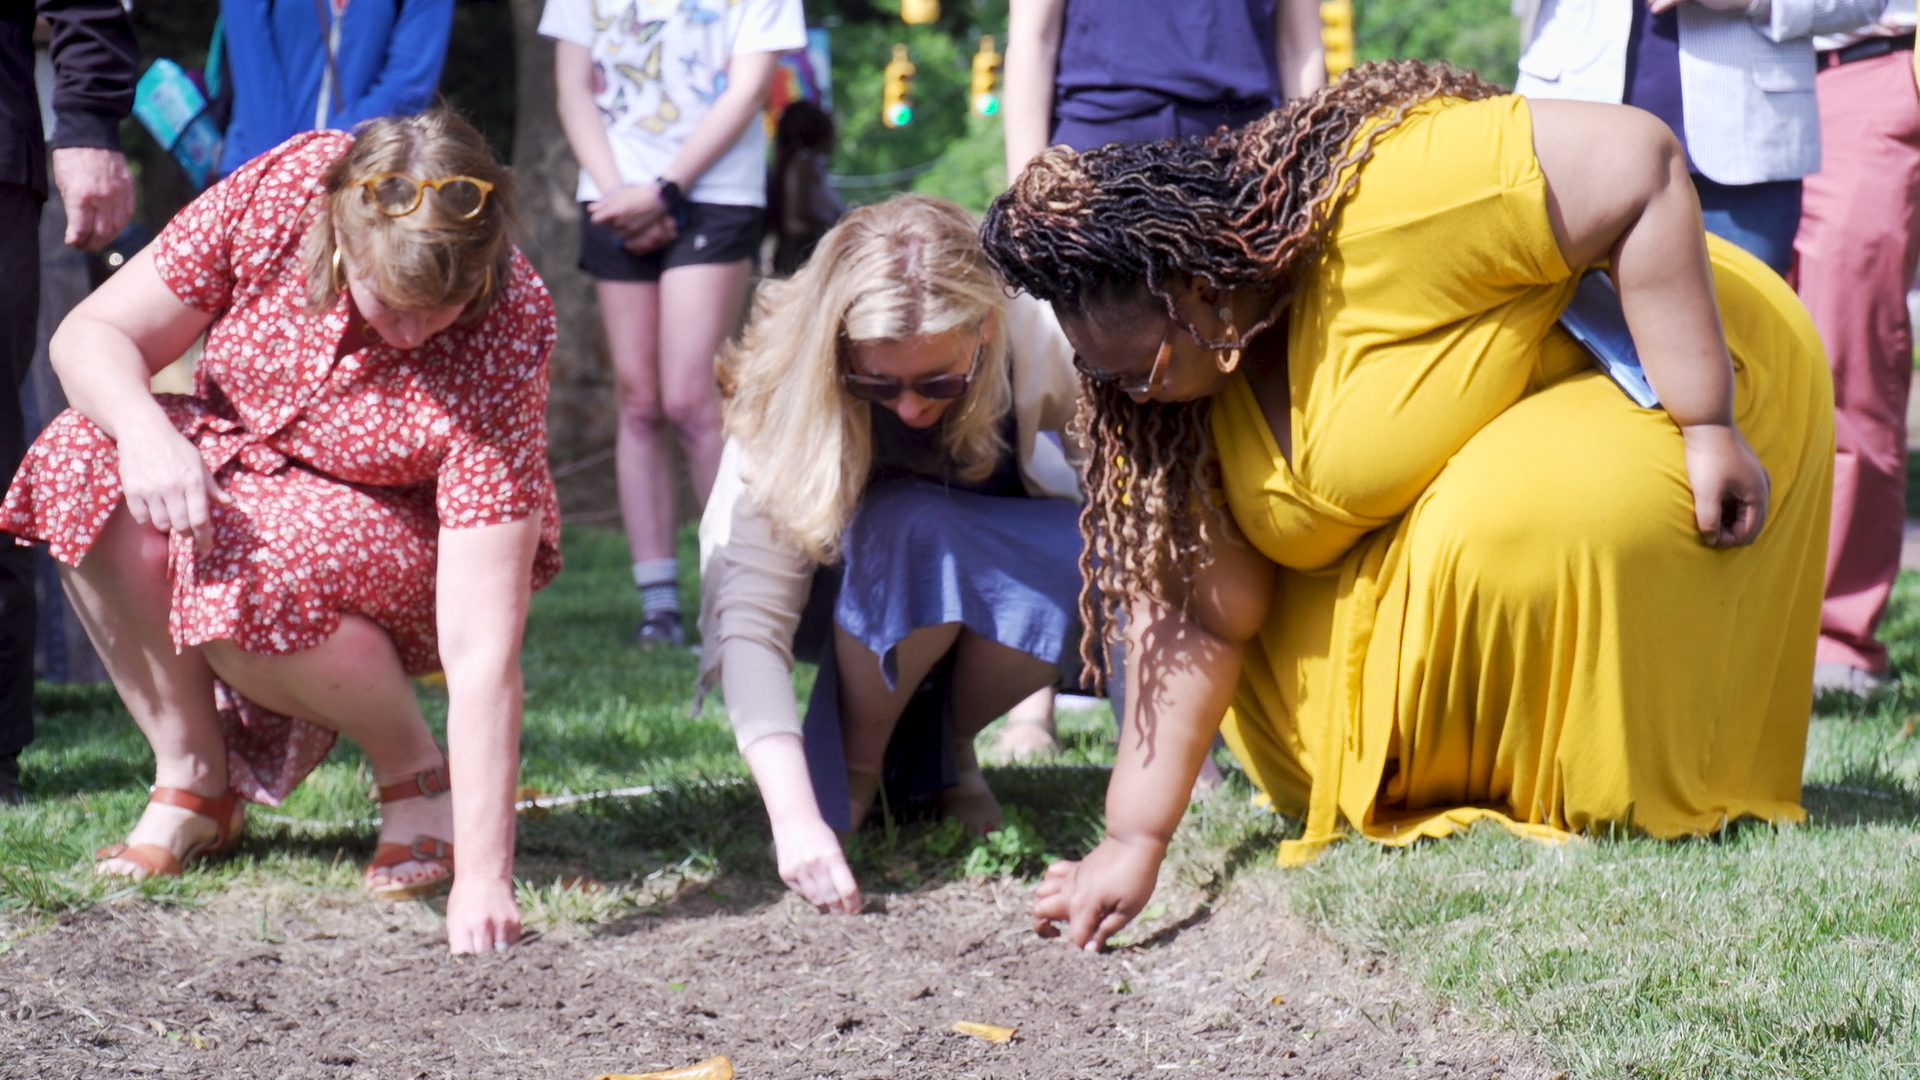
918 554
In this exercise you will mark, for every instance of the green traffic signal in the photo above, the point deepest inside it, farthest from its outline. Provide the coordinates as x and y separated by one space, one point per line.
899 115
987 104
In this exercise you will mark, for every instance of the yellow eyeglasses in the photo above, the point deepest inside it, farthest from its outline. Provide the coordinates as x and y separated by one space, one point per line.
397 194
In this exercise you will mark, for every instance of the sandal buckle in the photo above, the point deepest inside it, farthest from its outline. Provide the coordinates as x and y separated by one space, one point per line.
430 849
432 782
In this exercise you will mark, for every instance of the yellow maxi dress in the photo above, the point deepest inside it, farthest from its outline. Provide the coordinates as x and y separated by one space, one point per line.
1492 602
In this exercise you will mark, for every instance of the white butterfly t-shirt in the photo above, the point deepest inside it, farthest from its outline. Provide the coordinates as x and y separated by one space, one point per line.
658 65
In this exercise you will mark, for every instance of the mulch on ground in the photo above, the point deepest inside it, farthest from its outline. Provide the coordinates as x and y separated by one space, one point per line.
300 985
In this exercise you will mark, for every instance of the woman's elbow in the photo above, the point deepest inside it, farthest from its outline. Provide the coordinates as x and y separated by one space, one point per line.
1232 597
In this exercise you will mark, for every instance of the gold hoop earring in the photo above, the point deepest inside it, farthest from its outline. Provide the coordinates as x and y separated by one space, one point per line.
339 275
1232 358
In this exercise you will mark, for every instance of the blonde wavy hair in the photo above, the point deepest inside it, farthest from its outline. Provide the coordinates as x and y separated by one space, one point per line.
904 268
427 259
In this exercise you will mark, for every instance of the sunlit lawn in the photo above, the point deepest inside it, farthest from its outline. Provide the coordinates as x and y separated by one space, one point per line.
1763 953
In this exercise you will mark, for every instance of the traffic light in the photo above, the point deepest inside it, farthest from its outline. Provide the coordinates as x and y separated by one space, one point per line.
919 12
1336 35
896 93
986 78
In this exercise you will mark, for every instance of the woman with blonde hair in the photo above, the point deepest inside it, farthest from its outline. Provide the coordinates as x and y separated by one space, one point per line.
897 455
356 491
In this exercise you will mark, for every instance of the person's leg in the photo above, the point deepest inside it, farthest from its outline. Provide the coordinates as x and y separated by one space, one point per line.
354 683
705 299
19 320
989 679
1029 730
1858 241
121 595
870 709
1761 218
642 465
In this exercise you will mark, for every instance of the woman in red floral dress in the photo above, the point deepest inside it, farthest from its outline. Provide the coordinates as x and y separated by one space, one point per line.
356 491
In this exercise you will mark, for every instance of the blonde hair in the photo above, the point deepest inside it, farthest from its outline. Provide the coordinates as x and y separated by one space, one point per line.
427 259
903 268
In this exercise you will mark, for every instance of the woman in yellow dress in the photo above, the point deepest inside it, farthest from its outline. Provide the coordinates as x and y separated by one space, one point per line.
1354 489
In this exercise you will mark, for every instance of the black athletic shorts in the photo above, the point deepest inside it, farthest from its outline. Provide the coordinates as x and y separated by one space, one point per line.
709 233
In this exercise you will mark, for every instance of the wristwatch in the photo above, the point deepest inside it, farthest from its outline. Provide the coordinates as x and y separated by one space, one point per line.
670 193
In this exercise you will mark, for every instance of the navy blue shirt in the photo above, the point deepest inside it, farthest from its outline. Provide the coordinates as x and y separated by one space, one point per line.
1125 58
1653 68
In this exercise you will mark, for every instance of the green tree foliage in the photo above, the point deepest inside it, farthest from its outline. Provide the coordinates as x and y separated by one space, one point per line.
961 154
863 33
1478 35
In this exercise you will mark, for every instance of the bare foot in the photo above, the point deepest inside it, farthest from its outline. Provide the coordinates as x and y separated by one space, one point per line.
970 802
402 822
1021 739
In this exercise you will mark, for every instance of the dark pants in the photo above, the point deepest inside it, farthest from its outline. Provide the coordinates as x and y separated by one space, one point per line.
19 324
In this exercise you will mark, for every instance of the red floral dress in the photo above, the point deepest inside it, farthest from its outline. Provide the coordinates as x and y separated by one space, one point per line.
342 471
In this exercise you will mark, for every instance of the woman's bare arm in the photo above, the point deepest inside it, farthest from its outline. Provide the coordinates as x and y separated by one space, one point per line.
105 352
1033 58
1303 56
580 117
1181 669
482 595
1618 191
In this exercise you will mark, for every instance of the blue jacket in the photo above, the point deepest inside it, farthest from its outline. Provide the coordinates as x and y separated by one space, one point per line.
389 60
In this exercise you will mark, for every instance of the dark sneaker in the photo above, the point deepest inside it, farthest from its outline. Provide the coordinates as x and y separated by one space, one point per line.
10 782
661 629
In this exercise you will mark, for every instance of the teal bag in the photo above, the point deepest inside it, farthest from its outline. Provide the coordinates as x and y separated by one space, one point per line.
174 110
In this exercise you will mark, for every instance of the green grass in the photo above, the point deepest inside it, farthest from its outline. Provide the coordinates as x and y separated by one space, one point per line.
600 715
1760 953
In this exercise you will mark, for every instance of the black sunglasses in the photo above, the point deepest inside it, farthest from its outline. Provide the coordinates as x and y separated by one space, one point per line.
933 388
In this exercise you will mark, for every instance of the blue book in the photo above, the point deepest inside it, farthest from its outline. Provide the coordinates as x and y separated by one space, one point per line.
1595 320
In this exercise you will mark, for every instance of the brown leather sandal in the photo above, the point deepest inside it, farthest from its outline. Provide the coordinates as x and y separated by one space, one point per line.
428 783
225 811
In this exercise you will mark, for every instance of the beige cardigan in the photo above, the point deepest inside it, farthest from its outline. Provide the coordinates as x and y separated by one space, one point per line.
754 581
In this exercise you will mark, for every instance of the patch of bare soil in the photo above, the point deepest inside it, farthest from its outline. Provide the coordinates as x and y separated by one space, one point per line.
323 986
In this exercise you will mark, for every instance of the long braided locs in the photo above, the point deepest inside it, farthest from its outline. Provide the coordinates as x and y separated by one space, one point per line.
1093 230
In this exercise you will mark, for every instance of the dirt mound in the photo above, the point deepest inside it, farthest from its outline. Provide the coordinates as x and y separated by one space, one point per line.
325 986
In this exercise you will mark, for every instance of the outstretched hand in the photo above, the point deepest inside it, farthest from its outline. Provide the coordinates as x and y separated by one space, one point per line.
482 916
812 865
1730 486
1099 894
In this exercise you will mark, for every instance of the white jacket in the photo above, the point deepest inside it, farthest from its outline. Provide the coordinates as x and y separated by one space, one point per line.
754 580
1746 84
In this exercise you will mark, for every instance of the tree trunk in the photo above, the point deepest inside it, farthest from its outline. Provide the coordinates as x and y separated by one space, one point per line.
580 412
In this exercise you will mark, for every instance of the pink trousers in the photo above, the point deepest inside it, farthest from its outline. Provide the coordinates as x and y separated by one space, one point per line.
1858 242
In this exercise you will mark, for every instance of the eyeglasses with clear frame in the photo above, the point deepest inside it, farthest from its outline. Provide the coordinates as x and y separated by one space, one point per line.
398 194
882 388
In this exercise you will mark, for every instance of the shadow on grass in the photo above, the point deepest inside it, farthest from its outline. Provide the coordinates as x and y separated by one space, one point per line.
1860 798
